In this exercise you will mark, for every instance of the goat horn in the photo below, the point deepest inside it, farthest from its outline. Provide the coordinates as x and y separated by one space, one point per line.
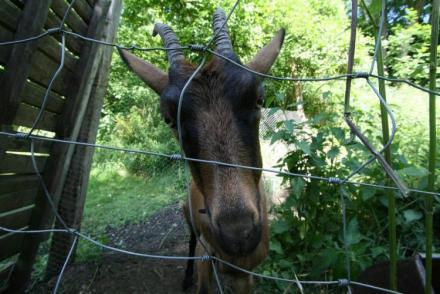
222 39
171 41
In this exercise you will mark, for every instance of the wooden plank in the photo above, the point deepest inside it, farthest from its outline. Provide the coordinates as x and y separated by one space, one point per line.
71 204
9 15
33 94
17 199
20 164
19 145
19 3
5 271
19 63
10 245
27 114
61 154
15 183
48 45
91 3
83 9
16 219
72 43
52 49
42 70
73 20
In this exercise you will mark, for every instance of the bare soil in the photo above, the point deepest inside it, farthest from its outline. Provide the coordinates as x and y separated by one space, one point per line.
163 233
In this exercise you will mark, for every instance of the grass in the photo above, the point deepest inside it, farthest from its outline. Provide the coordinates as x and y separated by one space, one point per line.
115 198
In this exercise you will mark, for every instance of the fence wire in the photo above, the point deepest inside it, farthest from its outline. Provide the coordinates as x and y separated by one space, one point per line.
204 50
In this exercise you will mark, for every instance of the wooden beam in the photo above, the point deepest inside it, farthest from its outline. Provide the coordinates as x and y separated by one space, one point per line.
5 271
10 245
18 145
19 64
20 164
61 154
73 20
27 114
83 9
10 15
15 200
73 197
16 219
14 183
73 44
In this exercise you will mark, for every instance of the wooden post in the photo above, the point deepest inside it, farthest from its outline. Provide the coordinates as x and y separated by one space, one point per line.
61 154
73 197
19 64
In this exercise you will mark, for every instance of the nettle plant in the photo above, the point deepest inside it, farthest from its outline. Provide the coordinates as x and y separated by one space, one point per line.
306 235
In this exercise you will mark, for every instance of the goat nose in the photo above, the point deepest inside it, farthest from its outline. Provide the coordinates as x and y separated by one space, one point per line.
236 228
238 235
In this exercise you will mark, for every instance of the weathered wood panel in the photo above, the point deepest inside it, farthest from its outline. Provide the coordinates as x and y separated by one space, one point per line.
42 71
27 114
74 21
14 183
58 163
48 45
17 199
83 9
5 271
91 2
73 44
10 245
52 48
19 64
33 95
72 200
16 219
9 15
19 145
19 164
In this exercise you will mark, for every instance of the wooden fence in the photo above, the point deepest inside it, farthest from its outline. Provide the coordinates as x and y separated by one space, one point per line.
72 113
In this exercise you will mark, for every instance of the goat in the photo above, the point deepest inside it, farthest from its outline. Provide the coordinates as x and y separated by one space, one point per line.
219 121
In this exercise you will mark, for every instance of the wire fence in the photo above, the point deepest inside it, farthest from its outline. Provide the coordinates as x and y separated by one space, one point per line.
204 50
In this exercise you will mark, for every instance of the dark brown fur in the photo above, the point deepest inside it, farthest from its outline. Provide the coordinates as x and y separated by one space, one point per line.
219 121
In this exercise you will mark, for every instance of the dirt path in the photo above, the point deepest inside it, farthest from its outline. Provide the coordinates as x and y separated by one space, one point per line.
163 233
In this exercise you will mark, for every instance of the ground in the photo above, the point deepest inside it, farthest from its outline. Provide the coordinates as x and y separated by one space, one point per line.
163 233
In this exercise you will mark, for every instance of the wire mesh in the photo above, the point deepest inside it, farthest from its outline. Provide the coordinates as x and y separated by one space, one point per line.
204 50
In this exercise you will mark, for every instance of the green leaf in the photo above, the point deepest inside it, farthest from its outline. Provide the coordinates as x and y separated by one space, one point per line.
304 146
413 171
280 227
275 246
353 234
333 152
412 215
367 193
289 124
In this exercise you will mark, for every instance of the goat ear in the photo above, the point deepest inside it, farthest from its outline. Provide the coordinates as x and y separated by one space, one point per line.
151 75
264 59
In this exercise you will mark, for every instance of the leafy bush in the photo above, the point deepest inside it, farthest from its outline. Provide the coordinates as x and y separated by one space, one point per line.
408 49
306 235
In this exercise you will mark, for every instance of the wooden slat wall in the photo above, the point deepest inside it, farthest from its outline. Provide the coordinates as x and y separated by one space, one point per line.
19 184
22 200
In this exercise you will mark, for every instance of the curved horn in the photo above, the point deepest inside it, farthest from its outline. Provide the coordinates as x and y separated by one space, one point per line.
222 39
171 42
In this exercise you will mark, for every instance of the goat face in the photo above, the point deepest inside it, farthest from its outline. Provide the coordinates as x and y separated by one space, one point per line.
219 121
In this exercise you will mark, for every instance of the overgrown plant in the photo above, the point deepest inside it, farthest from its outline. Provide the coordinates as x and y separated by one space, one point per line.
306 234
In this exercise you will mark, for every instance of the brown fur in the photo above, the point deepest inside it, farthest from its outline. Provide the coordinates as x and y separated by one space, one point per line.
219 121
